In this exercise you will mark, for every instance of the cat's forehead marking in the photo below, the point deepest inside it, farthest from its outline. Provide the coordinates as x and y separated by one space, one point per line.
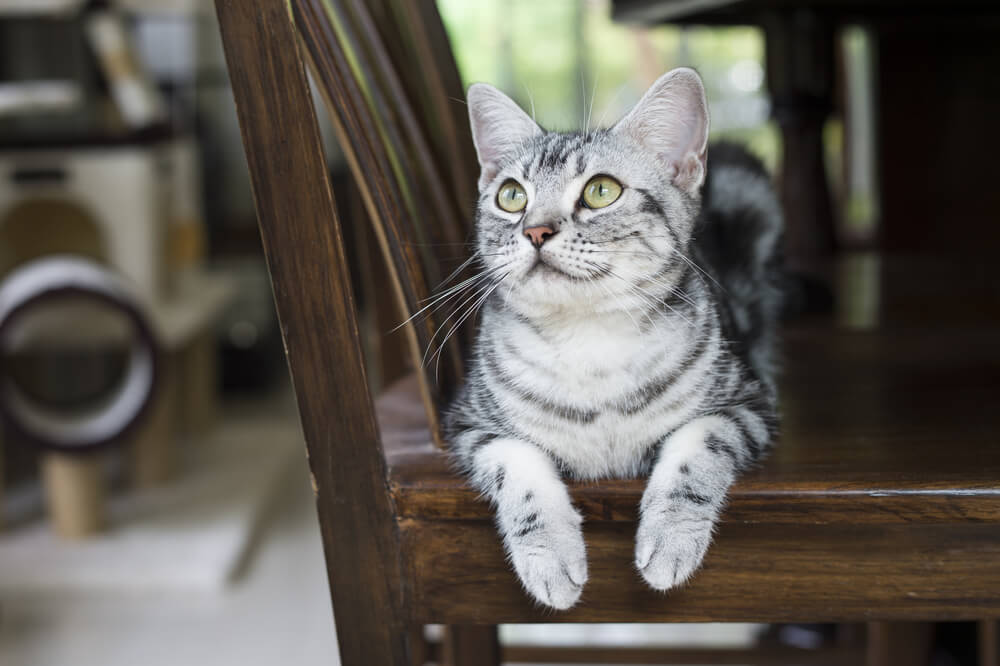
555 152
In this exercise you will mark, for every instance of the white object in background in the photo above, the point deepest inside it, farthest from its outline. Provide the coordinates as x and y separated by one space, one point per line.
121 189
138 100
44 280
40 7
22 97
167 8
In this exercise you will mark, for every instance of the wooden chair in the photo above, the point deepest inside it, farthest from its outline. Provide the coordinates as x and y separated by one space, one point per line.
880 504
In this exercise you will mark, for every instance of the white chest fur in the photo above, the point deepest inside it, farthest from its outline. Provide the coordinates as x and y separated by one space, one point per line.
587 366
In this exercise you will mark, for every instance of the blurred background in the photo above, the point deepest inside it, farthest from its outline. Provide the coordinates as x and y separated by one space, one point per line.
155 503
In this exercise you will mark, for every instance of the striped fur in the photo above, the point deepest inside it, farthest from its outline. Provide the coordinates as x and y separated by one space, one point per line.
636 342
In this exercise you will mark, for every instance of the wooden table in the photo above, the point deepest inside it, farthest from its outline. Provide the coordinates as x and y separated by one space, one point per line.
937 101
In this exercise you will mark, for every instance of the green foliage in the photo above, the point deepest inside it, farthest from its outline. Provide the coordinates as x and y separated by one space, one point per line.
568 61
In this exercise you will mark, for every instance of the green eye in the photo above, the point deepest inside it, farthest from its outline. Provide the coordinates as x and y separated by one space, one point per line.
601 191
512 197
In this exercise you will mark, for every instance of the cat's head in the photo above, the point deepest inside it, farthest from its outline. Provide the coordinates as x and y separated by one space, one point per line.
592 221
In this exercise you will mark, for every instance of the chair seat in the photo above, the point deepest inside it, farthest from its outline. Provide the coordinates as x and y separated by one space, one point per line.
879 426
881 500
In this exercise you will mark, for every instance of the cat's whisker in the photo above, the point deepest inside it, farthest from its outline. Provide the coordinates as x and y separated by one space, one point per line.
674 291
475 291
437 301
470 311
670 248
611 295
444 322
647 300
462 244
607 107
483 273
457 271
593 95
653 301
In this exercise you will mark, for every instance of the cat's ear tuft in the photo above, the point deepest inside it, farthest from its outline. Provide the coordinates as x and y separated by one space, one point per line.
671 119
498 126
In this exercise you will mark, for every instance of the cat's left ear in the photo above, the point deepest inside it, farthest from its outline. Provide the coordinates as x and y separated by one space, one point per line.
671 120
498 127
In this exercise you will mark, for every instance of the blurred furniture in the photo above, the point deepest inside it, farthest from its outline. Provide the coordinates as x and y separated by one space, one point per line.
96 173
936 105
131 205
30 333
882 501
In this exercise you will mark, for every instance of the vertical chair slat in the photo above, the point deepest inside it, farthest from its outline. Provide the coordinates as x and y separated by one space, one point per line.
306 258
416 37
439 217
371 118
447 226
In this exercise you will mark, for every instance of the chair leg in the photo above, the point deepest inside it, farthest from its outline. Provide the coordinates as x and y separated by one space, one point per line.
989 643
470 645
301 236
899 643
420 648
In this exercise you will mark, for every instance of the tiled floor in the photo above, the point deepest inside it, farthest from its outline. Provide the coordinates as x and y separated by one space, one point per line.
277 613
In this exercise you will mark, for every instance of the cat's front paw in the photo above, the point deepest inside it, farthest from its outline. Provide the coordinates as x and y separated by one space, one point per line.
550 558
670 545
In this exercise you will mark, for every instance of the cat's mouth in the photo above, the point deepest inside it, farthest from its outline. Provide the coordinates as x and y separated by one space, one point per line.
544 267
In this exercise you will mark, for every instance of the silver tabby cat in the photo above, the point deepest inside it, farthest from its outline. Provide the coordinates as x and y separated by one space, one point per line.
630 295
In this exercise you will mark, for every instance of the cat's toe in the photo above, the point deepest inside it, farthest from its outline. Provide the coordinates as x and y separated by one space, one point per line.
669 551
553 570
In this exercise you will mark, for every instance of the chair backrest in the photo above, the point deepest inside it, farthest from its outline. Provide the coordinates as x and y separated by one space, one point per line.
418 45
397 150
305 252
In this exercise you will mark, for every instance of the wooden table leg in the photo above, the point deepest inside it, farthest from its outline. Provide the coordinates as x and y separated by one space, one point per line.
899 643
989 643
471 645
800 75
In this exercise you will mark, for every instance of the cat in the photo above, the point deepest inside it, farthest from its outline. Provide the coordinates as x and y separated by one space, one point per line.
629 293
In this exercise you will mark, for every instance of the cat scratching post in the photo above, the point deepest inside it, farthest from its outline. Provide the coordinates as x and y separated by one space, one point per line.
74 493
72 464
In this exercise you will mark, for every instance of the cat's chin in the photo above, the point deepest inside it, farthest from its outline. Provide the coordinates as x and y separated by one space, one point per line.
544 269
549 271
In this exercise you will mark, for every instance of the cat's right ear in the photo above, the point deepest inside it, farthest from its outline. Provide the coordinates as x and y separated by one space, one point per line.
498 126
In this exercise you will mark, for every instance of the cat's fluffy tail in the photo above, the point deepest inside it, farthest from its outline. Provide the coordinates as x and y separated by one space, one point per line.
739 238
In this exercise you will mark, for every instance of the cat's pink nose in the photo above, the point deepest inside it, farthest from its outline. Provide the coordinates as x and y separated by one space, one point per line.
540 234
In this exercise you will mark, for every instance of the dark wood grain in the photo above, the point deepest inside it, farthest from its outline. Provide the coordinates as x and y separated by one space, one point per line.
457 572
768 656
988 635
414 35
470 645
899 643
930 72
305 255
